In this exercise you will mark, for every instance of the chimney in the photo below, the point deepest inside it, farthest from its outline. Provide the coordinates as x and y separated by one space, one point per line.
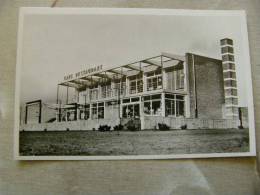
230 82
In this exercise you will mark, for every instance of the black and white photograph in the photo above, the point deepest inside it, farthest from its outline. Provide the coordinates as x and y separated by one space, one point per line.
103 83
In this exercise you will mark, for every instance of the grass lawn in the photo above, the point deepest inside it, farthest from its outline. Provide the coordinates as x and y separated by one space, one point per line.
133 143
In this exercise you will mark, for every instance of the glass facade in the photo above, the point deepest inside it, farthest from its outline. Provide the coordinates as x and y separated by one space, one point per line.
113 97
136 85
154 80
97 110
152 105
131 111
174 105
179 79
94 94
175 79
84 112
120 88
106 91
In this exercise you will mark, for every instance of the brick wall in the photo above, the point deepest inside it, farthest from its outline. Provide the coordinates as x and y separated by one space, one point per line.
206 86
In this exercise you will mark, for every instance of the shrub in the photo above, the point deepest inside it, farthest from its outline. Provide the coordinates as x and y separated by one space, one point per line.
93 129
104 128
163 126
131 126
118 127
184 126
45 129
67 129
240 127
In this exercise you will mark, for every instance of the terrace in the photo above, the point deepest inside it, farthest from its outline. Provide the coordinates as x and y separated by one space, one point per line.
165 72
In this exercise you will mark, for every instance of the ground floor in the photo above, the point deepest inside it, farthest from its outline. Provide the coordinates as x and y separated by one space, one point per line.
133 143
146 111
158 104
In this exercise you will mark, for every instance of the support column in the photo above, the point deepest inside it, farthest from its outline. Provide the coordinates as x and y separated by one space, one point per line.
142 114
113 89
164 79
141 111
127 86
90 111
144 83
121 109
163 105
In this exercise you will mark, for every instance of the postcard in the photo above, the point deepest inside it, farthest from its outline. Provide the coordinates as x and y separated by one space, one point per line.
111 84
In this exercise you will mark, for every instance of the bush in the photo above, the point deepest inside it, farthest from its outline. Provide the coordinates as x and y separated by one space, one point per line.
131 126
104 128
67 129
240 127
45 129
163 126
184 126
118 127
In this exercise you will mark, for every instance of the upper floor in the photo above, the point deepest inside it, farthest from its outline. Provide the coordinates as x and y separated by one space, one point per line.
166 72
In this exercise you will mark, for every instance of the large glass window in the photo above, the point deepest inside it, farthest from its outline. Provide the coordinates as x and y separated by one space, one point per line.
101 110
94 111
120 87
131 111
175 79
152 105
179 79
154 80
106 91
174 105
70 115
169 107
94 94
136 84
98 110
84 112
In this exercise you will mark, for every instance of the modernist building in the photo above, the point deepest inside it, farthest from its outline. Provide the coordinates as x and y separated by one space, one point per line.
192 90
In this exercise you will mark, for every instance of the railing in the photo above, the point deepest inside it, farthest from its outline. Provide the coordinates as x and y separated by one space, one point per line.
101 94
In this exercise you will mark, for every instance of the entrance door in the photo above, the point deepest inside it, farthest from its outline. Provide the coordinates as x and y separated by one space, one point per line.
131 111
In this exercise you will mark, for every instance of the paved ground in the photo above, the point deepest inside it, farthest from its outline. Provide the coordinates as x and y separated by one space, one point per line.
133 143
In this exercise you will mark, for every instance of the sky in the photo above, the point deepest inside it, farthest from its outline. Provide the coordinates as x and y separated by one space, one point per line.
55 45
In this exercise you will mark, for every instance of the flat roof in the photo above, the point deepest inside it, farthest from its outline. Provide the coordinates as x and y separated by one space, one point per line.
94 74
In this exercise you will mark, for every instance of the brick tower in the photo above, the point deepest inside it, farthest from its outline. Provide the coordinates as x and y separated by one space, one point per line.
230 82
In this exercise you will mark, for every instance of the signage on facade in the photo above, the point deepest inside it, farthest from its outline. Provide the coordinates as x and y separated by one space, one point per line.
83 73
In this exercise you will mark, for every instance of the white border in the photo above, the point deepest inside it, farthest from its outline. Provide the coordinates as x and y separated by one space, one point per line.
128 11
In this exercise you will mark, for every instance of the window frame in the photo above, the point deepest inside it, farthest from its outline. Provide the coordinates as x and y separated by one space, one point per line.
174 99
138 85
151 101
97 107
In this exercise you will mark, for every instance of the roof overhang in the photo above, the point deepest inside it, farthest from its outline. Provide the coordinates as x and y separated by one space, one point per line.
165 60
